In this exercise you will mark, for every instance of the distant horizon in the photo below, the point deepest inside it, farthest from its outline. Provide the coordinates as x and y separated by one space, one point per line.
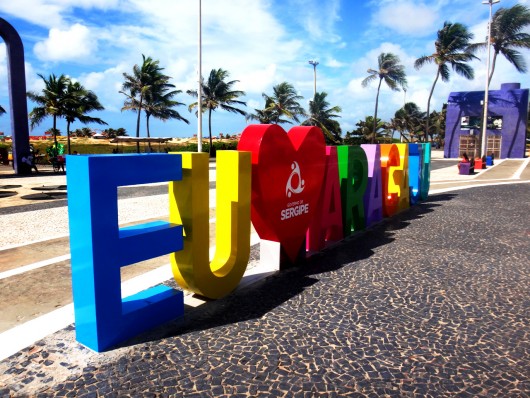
261 44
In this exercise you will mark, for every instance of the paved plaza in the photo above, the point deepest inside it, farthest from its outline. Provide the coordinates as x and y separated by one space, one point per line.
432 302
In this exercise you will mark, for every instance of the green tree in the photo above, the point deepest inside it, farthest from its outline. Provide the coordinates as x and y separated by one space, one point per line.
507 35
218 93
437 124
392 72
451 48
323 116
365 129
408 119
113 133
262 116
82 132
354 137
138 85
284 102
50 103
77 103
160 104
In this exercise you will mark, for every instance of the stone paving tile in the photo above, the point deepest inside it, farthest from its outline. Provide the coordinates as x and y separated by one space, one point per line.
433 303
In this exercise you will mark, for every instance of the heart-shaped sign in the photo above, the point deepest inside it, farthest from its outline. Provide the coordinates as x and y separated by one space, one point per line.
287 175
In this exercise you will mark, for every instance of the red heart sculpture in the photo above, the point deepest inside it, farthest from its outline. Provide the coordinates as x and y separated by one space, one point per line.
287 175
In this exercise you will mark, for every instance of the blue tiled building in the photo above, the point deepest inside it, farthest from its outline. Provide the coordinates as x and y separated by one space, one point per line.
507 118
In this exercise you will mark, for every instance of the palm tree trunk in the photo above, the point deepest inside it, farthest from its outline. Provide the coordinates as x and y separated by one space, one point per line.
492 66
375 114
138 123
148 133
68 136
429 103
210 129
55 131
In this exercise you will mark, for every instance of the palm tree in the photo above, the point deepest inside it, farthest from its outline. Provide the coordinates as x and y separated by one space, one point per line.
82 132
218 93
321 115
409 119
392 72
451 48
365 129
51 101
437 123
283 103
78 102
138 85
262 116
2 110
507 34
159 104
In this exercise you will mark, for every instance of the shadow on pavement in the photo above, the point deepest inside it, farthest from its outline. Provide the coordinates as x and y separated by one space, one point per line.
260 298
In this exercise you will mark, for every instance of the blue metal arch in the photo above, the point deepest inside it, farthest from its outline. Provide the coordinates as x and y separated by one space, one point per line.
16 78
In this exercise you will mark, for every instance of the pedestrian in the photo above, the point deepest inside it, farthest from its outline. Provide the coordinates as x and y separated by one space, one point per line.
464 159
30 161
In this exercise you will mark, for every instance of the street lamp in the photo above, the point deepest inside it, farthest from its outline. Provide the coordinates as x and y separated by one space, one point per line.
314 63
199 91
486 91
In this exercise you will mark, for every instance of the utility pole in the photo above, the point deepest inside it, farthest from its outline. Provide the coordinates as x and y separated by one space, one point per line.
314 63
486 91
199 91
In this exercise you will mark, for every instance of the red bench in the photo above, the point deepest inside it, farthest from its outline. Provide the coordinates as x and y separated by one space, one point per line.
479 164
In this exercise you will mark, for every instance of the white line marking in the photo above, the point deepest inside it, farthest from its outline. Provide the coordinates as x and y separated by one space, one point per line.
21 336
43 263
436 191
517 174
31 267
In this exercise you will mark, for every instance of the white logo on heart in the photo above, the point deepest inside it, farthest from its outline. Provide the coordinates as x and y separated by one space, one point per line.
289 189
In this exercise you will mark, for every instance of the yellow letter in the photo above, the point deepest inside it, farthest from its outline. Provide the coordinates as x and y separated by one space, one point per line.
403 170
189 206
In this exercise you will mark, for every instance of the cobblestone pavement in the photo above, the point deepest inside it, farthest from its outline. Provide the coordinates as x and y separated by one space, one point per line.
434 302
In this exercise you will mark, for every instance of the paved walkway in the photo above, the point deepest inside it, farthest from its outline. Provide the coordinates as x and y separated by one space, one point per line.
433 302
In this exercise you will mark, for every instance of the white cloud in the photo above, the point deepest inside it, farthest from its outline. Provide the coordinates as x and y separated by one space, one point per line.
75 43
318 18
51 13
258 81
334 63
239 36
254 104
407 18
107 85
39 12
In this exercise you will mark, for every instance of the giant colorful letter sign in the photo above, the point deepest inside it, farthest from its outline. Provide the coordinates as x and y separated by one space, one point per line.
327 221
287 175
373 197
415 166
389 162
353 173
297 187
189 206
401 176
99 248
426 171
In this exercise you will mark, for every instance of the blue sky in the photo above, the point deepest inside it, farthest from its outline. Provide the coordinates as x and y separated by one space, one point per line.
260 42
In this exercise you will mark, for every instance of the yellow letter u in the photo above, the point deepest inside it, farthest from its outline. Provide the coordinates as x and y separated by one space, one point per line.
189 206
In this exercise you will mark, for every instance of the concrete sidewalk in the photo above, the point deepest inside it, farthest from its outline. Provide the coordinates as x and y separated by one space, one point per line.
425 303
419 305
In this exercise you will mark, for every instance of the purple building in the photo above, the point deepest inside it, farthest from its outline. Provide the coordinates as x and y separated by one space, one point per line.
507 118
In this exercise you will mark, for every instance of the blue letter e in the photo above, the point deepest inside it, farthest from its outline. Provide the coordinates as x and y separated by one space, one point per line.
99 248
